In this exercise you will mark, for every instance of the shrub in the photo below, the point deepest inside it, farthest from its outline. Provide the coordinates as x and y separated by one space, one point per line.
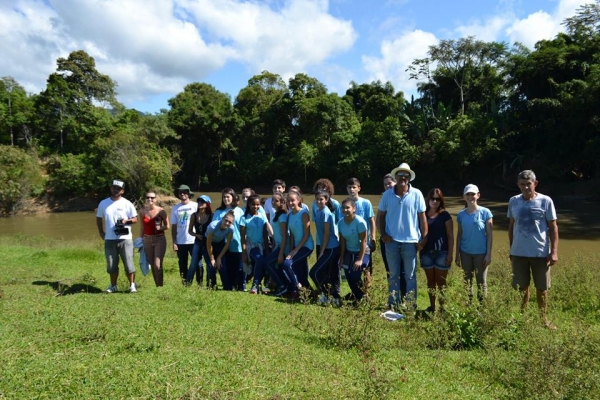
20 178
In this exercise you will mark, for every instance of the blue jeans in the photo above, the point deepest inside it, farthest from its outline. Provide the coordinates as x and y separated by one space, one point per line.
200 251
321 271
402 261
296 268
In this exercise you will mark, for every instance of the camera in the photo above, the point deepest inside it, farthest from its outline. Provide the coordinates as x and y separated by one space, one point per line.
121 229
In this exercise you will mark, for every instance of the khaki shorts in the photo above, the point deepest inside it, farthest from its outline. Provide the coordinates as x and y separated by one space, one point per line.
113 249
525 267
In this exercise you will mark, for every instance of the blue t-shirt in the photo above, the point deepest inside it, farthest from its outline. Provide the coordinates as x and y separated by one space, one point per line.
364 209
437 238
277 235
402 214
530 232
337 210
254 225
296 228
218 235
473 240
326 216
236 242
350 232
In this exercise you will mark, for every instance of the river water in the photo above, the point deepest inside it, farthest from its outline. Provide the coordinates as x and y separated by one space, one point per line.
579 224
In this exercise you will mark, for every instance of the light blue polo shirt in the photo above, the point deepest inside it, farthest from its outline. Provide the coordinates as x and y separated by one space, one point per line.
254 225
218 234
364 209
296 227
350 232
277 235
326 216
337 210
236 242
402 214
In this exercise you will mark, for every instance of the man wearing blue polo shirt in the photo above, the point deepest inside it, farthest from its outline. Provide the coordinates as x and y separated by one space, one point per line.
403 226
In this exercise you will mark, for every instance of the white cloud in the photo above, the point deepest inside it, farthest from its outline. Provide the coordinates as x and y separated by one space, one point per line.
396 56
488 31
152 47
541 24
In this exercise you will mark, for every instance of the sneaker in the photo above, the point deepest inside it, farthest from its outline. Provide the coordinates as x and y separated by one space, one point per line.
295 295
132 288
430 309
265 289
323 300
254 289
112 289
281 291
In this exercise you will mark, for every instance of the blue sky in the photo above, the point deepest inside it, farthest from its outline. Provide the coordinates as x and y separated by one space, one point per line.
153 48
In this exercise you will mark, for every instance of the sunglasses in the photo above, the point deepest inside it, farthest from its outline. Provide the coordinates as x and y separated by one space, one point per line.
436 199
403 175
150 197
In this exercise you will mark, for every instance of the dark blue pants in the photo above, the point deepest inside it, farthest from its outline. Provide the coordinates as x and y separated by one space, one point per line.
275 269
321 271
258 261
297 268
355 277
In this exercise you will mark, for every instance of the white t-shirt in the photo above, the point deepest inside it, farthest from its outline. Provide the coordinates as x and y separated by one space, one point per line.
269 209
113 211
180 217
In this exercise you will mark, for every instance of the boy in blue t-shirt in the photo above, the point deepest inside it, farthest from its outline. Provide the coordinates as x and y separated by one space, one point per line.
364 209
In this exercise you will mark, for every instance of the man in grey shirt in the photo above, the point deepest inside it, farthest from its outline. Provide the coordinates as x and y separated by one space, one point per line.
533 238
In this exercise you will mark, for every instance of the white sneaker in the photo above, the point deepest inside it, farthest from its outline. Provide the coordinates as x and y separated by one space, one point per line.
112 289
132 288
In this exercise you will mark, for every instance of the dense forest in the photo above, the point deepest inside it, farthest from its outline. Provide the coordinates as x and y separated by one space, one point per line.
485 111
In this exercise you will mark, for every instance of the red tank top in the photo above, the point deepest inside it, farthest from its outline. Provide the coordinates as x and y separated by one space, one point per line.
150 225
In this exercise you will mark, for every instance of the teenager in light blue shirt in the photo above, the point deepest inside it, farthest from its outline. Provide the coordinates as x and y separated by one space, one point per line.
301 241
354 257
229 201
474 241
329 248
254 230
219 236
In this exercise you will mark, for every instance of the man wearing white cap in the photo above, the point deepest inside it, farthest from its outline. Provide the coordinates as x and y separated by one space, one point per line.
403 226
118 214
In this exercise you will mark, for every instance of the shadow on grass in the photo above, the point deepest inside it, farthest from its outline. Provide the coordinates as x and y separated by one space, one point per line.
65 287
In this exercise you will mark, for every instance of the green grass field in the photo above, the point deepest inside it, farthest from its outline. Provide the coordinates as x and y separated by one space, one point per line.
62 337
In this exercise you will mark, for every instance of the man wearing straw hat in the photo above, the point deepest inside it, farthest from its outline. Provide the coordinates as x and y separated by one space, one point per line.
403 226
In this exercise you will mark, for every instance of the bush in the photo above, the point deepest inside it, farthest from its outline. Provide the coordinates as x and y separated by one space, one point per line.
70 175
20 178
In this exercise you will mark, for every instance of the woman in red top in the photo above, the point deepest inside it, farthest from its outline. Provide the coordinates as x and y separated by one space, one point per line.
154 224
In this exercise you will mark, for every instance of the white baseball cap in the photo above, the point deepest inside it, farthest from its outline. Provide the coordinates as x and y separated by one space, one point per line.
470 188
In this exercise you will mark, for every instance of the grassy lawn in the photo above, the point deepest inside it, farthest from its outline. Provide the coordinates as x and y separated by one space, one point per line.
62 337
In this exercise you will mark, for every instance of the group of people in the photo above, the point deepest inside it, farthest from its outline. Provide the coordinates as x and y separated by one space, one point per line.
267 243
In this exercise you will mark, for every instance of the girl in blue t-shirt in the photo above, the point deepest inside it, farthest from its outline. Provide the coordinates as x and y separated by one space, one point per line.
354 256
254 231
219 236
474 241
301 242
235 274
328 247
281 243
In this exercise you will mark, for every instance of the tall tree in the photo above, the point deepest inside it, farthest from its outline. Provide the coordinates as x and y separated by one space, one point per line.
204 121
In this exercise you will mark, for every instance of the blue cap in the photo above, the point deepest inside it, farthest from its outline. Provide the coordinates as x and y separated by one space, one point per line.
204 198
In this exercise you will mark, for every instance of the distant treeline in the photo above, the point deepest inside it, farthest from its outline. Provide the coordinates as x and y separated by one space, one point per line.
485 111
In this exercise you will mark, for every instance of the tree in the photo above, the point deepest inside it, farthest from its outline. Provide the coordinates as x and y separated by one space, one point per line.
204 121
16 110
68 109
467 63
